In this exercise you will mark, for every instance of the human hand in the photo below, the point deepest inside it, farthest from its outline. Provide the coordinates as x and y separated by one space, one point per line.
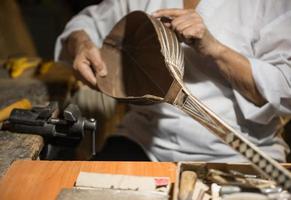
188 24
87 59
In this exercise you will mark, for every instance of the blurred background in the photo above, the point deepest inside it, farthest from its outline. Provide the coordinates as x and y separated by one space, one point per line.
30 27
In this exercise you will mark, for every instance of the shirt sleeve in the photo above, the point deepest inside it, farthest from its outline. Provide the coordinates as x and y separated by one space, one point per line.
271 69
96 21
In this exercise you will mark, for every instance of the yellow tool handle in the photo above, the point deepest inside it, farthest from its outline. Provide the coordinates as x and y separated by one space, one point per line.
17 66
187 184
22 104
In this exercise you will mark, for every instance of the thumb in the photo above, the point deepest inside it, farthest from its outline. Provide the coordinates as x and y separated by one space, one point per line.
102 70
98 64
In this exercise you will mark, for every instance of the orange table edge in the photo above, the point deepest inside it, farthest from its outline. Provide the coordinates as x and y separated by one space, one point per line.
43 180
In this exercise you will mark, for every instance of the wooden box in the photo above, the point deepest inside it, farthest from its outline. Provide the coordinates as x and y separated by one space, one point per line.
201 170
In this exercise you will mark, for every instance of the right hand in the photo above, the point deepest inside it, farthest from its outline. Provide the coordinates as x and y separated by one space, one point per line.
87 59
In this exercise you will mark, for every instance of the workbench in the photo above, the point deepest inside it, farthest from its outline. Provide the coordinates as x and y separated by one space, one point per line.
18 146
15 146
52 87
43 180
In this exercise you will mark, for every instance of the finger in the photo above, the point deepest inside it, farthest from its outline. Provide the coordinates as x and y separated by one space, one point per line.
181 27
171 12
166 21
97 63
192 17
84 81
103 72
186 22
191 32
86 72
194 24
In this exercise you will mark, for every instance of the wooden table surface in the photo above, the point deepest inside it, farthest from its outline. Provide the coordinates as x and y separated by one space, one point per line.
43 180
18 146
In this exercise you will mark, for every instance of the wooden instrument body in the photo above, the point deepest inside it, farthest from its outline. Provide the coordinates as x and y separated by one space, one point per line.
143 47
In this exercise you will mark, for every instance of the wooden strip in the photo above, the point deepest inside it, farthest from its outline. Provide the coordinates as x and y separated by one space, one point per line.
174 91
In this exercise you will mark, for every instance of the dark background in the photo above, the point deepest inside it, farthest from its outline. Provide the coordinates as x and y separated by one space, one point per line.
45 20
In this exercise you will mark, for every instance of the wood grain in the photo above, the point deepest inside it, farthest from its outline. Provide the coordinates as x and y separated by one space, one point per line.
18 146
43 180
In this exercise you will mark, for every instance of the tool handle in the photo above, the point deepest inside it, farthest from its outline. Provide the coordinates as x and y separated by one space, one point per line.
21 104
187 184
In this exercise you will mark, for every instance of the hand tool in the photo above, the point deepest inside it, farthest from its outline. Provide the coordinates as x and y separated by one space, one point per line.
21 104
17 66
187 184
68 128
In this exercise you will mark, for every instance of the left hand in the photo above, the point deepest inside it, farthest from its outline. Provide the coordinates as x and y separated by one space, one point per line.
191 27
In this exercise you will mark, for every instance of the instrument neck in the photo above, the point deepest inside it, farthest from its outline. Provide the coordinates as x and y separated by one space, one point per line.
261 162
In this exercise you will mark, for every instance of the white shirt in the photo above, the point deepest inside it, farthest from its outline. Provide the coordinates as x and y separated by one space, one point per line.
258 29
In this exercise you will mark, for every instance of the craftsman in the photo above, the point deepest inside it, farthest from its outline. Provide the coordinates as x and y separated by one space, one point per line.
240 67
